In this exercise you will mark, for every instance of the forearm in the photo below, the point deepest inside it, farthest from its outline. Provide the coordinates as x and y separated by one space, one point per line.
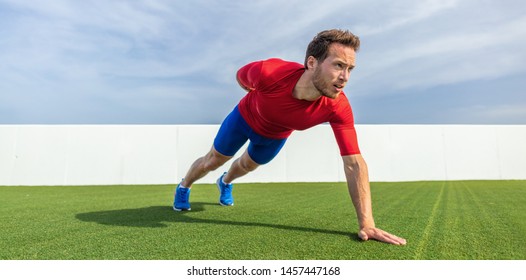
357 177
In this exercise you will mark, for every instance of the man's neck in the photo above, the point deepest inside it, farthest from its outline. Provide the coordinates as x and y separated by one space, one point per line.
304 89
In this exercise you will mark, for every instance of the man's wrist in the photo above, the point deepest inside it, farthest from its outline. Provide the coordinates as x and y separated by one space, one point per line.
368 224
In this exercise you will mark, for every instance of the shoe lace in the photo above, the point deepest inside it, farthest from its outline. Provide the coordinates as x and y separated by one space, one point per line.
181 195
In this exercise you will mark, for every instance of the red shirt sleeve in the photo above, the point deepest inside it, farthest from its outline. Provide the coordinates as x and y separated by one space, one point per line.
347 141
248 75
343 127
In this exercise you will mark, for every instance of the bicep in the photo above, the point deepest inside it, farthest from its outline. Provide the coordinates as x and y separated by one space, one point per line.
347 139
342 123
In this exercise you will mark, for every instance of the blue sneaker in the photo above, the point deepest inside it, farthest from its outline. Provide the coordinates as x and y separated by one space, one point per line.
182 199
225 192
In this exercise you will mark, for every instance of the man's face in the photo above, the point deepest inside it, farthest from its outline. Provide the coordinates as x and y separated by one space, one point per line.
331 75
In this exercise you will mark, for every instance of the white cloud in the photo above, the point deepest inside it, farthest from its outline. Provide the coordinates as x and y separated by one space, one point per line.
386 16
490 114
457 47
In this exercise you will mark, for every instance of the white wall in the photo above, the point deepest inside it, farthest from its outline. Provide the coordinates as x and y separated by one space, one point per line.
444 152
161 154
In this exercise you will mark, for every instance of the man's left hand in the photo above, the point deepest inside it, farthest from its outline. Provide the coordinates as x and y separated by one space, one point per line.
380 235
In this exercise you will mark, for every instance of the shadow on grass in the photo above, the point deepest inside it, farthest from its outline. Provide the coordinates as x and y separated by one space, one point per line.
157 216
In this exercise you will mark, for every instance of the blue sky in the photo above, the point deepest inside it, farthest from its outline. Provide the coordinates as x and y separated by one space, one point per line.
174 62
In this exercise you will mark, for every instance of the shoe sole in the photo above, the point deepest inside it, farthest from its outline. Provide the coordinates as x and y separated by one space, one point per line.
181 209
222 204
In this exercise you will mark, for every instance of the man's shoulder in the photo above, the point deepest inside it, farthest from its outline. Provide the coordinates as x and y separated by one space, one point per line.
342 111
275 69
338 102
280 63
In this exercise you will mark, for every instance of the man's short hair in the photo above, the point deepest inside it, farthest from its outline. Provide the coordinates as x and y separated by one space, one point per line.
319 46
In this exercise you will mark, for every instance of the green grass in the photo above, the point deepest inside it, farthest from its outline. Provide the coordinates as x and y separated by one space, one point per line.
440 220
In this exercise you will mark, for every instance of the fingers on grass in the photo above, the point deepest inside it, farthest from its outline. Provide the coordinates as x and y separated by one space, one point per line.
382 236
386 237
393 239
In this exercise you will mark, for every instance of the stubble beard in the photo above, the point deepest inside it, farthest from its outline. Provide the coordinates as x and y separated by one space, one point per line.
324 88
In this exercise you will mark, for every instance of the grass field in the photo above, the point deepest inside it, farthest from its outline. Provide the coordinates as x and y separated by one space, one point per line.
440 220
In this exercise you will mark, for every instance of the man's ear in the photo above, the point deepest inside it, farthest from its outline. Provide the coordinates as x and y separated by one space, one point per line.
312 62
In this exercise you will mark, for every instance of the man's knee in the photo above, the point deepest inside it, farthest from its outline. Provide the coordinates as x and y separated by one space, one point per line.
248 163
214 160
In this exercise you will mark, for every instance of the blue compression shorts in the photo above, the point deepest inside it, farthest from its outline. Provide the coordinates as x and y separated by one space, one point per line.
234 133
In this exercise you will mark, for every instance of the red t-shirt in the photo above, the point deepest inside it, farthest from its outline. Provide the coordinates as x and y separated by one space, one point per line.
270 109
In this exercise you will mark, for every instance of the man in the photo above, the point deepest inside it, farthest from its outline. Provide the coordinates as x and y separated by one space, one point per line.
283 97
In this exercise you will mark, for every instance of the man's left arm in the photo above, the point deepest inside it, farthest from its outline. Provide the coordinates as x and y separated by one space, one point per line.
248 75
357 176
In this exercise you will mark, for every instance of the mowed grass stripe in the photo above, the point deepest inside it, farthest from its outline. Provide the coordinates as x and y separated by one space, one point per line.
485 222
467 227
491 217
424 240
441 220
